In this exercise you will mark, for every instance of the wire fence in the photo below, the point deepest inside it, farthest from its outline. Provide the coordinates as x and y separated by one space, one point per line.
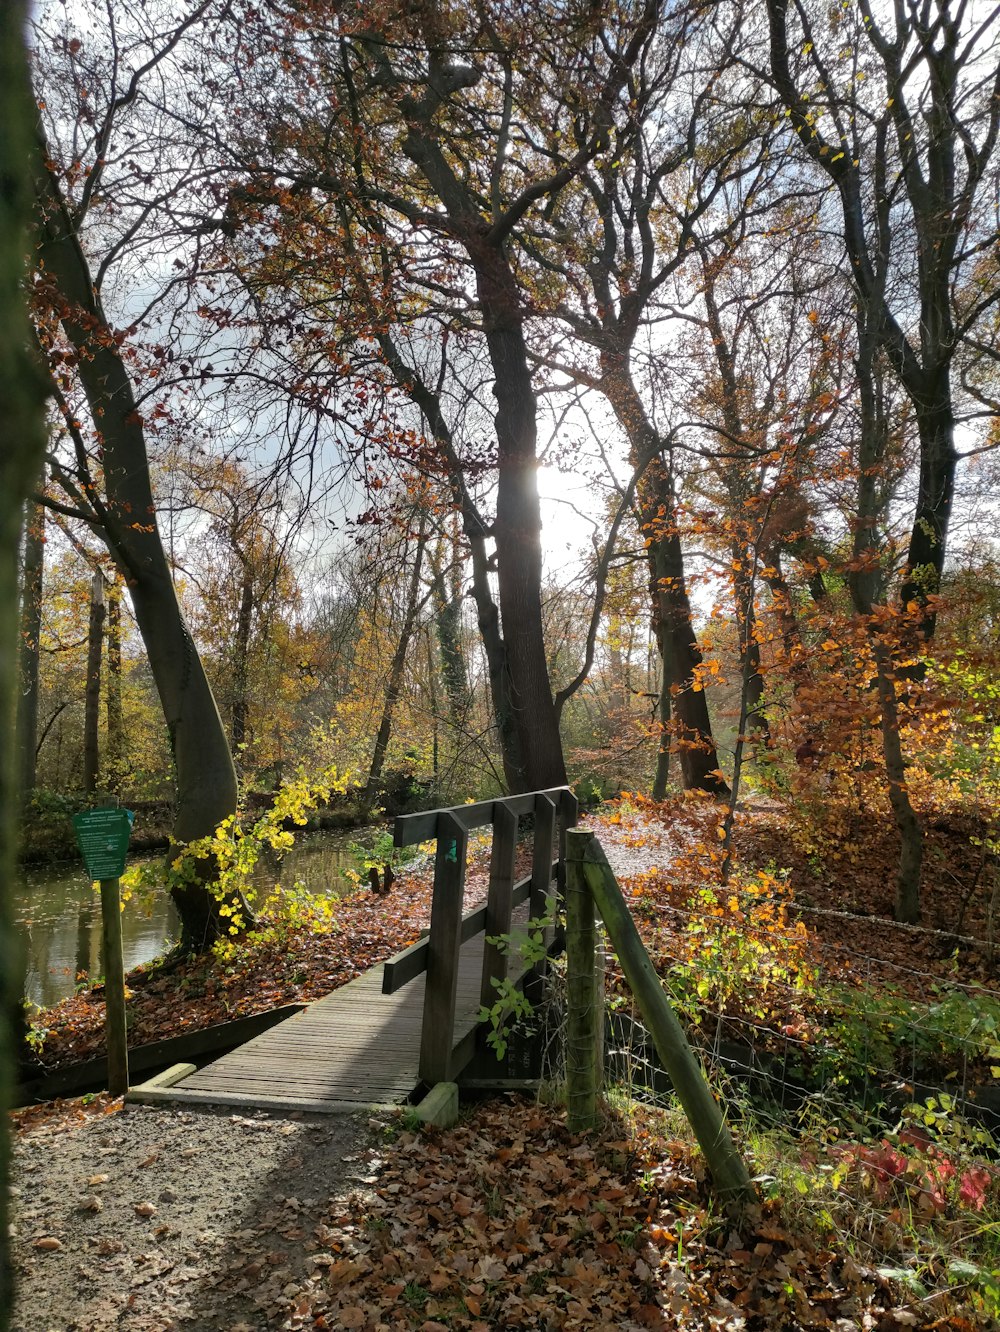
866 1073
788 1016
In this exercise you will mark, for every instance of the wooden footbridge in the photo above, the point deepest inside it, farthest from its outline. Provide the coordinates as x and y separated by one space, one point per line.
413 1021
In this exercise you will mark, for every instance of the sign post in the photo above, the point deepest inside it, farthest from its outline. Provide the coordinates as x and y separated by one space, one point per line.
102 835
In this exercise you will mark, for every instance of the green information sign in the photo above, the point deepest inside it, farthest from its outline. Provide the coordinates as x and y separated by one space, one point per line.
102 835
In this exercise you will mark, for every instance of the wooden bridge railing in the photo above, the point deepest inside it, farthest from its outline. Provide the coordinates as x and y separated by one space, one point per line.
554 812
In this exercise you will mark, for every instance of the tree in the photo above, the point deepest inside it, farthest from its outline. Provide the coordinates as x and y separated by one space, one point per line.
641 220
899 108
22 394
448 126
394 681
32 584
237 560
88 358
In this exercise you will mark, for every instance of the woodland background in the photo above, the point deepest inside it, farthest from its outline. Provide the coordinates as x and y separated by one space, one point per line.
323 297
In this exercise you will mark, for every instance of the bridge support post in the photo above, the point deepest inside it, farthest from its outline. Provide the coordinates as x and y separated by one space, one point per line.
499 903
444 943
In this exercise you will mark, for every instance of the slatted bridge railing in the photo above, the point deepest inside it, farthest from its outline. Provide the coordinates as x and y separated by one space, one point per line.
438 955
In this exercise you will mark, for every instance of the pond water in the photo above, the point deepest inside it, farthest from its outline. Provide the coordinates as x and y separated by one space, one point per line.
58 913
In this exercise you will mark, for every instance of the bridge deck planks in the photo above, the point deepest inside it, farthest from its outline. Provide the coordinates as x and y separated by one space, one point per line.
353 1048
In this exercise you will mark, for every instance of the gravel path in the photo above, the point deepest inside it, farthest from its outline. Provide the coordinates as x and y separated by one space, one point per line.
154 1219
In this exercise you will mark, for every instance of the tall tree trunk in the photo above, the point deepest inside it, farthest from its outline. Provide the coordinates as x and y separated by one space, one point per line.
935 496
241 663
475 531
22 431
114 756
746 624
691 726
518 529
205 775
92 693
735 480
395 681
29 644
864 581
673 624
448 629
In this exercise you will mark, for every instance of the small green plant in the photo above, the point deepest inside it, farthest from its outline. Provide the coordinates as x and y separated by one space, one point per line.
589 791
225 860
34 1032
376 853
740 951
869 1030
510 1005
415 1295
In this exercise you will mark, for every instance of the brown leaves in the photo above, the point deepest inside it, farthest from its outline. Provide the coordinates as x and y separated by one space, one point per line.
509 1221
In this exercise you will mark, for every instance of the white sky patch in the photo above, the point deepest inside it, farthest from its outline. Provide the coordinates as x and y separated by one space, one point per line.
572 513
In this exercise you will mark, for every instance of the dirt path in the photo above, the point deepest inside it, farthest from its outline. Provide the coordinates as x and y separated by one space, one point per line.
152 1219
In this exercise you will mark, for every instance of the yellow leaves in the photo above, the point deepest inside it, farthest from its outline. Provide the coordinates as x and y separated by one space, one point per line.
830 646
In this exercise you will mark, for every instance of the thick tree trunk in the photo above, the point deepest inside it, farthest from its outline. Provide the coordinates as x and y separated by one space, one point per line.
23 434
205 775
29 645
518 530
673 624
691 726
935 495
92 693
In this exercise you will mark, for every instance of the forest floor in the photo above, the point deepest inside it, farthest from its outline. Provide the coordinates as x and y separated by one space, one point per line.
152 1219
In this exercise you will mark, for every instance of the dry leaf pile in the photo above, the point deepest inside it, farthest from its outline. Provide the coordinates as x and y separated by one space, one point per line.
508 1221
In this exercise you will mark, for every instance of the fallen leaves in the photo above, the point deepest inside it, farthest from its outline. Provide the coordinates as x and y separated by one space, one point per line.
509 1221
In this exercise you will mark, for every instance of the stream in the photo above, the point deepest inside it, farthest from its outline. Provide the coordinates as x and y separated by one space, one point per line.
58 913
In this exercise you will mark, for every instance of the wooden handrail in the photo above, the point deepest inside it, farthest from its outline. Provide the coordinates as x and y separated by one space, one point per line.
438 953
410 829
411 962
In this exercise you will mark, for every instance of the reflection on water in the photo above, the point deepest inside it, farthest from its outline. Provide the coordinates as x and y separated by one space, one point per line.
58 913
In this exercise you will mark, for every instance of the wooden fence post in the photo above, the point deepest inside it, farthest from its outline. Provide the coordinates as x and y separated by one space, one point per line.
441 992
729 1171
581 993
114 988
499 906
542 895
